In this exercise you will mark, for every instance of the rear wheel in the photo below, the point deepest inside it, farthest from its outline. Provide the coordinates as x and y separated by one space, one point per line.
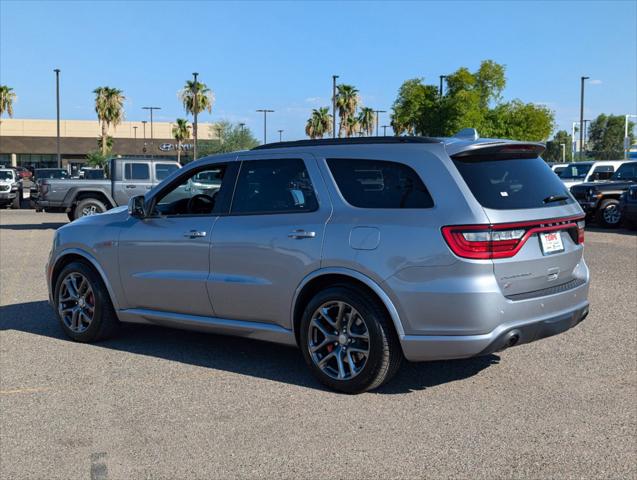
87 207
348 341
609 215
83 305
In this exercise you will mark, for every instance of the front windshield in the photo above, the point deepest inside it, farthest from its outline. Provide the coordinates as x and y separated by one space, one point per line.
575 170
6 175
628 171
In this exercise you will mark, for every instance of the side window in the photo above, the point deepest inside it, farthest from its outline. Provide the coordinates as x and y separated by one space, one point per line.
136 171
197 194
379 184
273 186
162 170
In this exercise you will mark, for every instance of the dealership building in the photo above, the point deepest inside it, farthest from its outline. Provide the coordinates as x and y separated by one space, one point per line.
33 143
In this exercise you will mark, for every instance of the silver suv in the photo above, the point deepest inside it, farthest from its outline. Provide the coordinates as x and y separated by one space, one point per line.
360 251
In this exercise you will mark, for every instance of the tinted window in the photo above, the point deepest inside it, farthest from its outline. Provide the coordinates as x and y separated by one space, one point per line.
575 170
53 173
512 184
273 186
136 171
162 170
379 184
6 175
628 171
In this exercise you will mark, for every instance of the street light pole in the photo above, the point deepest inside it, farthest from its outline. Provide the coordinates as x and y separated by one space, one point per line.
581 118
144 122
57 102
265 123
385 130
280 135
442 77
152 152
195 108
135 131
563 145
626 138
377 112
242 126
334 77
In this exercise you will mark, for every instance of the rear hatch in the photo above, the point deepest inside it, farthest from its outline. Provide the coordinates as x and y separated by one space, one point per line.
536 228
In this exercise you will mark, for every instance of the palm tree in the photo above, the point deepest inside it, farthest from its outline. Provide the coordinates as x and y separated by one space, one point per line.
7 97
350 126
205 97
347 101
181 132
367 120
109 106
319 123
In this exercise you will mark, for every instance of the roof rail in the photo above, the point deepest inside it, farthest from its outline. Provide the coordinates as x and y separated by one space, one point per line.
468 134
347 141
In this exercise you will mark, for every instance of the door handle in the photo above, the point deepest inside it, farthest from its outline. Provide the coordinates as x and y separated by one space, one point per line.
131 186
195 234
300 234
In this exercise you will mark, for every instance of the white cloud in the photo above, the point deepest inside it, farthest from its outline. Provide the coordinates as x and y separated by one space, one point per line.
314 100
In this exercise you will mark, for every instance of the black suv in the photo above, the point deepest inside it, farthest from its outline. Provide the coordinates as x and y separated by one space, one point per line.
600 200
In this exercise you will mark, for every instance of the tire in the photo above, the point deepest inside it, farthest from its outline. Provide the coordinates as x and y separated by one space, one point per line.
15 203
366 315
87 205
103 322
608 214
71 215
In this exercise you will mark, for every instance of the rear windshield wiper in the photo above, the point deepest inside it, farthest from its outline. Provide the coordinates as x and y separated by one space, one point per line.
555 198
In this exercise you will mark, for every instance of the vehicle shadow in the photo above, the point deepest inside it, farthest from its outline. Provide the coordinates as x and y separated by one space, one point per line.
32 226
232 354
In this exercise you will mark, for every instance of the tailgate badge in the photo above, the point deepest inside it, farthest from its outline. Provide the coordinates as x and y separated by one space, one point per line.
553 273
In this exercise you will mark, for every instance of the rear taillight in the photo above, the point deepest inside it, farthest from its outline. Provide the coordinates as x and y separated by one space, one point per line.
504 240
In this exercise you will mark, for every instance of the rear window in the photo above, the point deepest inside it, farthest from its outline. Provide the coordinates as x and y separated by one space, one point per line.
513 184
162 170
379 184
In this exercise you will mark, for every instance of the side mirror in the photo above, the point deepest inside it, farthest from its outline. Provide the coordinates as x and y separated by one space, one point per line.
136 207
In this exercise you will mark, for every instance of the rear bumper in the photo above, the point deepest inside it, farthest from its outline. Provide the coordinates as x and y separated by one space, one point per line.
419 348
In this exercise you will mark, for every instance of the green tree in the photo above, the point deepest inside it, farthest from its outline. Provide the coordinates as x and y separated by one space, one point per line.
553 152
367 120
7 99
472 100
205 97
181 132
232 137
109 106
97 159
347 100
606 136
319 124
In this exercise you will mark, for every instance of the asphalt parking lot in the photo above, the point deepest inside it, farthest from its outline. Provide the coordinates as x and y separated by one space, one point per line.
159 403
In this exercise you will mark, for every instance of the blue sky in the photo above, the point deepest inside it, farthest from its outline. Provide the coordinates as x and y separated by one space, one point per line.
281 55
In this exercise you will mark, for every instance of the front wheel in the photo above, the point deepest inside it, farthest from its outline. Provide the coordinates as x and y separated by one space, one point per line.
87 207
609 214
83 305
348 341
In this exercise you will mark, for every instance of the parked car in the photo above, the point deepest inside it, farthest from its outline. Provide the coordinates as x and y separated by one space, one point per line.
600 200
628 206
582 172
9 188
360 251
40 174
79 198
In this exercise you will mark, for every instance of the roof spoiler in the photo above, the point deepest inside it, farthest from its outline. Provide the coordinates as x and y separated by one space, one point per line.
468 134
499 151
